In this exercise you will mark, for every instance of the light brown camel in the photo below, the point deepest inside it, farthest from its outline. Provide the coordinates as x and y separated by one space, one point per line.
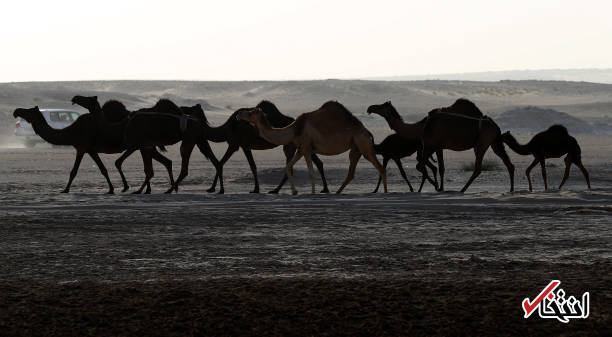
329 130
450 128
552 143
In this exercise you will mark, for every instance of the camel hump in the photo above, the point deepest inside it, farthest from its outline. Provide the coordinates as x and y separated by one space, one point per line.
334 106
165 105
465 107
275 117
115 111
559 130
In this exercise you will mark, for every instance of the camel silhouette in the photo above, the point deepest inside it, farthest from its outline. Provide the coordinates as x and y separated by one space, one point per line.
163 124
240 134
329 130
116 112
459 127
395 147
82 135
552 143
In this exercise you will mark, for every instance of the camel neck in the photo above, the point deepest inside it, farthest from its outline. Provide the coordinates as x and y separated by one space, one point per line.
49 134
278 136
215 134
522 149
408 131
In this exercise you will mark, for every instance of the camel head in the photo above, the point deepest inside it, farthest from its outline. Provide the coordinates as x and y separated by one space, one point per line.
195 111
87 102
251 115
30 115
385 110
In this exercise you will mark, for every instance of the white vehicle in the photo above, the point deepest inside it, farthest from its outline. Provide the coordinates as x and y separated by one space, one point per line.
57 119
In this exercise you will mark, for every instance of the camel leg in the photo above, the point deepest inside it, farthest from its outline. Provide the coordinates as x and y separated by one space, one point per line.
422 159
317 161
205 149
354 156
398 162
289 169
148 169
477 167
167 164
75 169
528 172
385 162
186 149
228 153
568 166
543 165
289 151
119 163
585 173
308 158
96 158
500 151
441 169
249 157
433 169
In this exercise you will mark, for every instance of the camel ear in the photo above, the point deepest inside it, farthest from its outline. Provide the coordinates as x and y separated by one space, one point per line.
199 105
36 107
95 97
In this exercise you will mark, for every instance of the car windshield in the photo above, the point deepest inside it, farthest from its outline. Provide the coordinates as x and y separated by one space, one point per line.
60 116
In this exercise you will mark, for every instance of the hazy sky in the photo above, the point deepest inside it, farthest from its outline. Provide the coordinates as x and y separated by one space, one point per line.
247 40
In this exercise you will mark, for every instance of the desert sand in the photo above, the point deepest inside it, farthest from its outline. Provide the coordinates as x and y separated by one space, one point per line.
400 263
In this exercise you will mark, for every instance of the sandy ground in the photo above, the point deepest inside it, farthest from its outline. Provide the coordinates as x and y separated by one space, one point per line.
400 263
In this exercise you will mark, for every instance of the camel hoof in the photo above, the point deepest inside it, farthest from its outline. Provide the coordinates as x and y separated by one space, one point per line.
221 191
325 190
110 192
294 192
168 191
210 190
136 192
273 192
254 191
125 189
147 192
64 191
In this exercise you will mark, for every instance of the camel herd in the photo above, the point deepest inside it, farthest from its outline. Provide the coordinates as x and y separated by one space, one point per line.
331 129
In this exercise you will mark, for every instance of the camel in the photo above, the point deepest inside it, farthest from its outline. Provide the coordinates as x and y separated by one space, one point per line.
116 112
396 147
329 130
552 143
82 135
456 128
150 128
239 134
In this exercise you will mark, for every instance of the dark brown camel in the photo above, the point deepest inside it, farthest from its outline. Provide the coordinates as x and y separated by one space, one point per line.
151 128
396 147
330 130
82 135
453 128
116 112
240 134
552 143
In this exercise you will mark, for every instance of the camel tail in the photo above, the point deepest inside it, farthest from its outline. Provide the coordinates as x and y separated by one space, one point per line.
499 144
162 148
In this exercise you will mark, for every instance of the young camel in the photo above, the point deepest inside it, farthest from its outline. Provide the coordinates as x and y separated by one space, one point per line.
396 147
552 143
329 130
451 128
240 134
